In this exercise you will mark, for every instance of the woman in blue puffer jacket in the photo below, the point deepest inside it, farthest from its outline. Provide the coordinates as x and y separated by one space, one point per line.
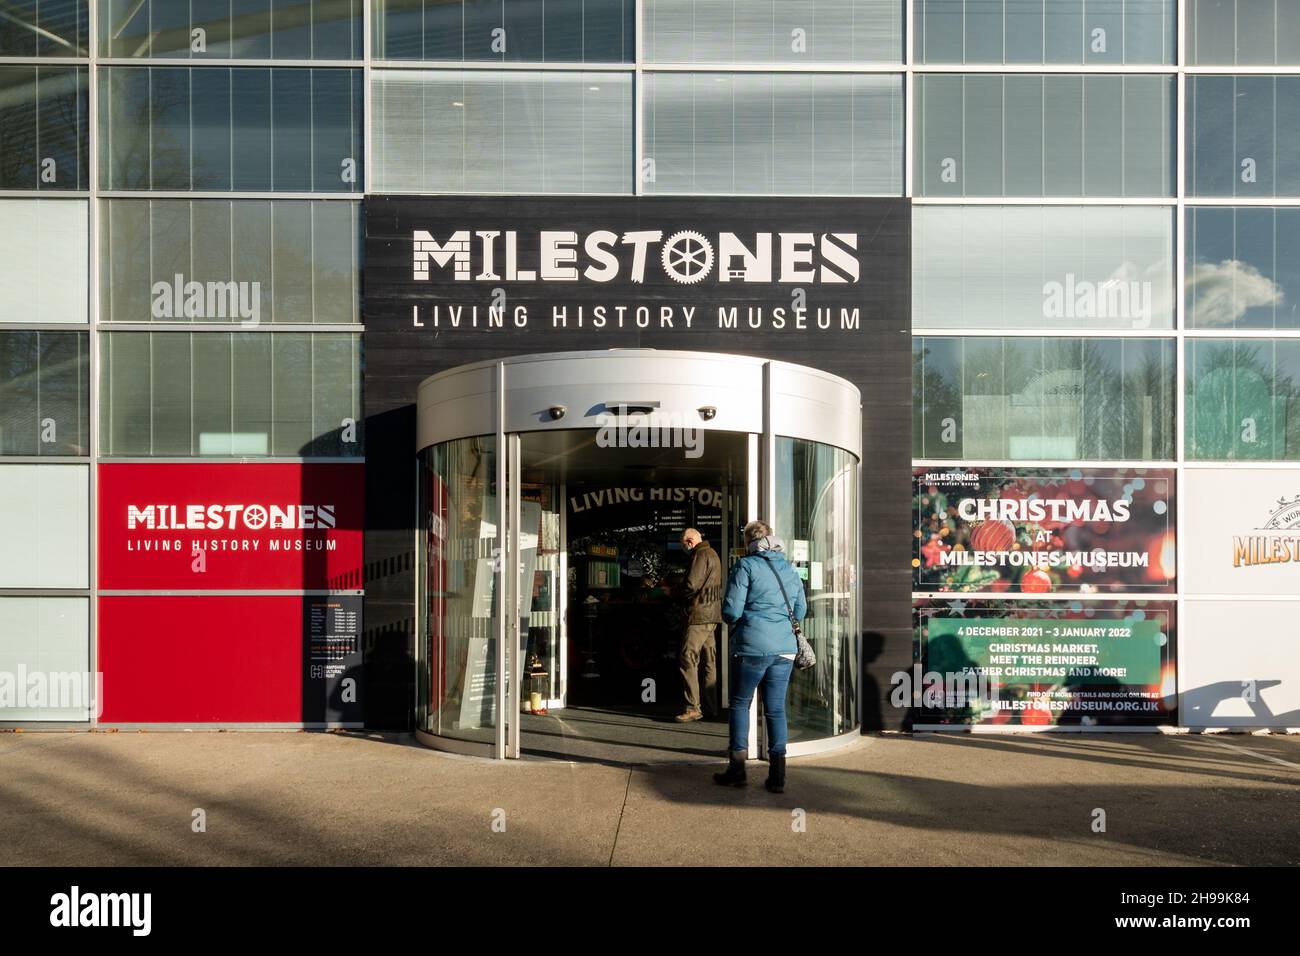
763 648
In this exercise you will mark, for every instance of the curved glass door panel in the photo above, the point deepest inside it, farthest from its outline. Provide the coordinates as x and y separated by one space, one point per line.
459 508
816 515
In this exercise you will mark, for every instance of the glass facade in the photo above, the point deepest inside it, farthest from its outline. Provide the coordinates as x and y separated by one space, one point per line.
1242 267
482 131
510 31
1243 136
44 124
287 394
1043 135
1033 398
45 28
240 260
1243 400
1243 33
231 29
765 134
1036 267
44 260
1085 291
713 32
218 129
44 393
1045 31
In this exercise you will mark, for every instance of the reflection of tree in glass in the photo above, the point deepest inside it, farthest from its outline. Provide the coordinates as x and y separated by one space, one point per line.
1238 401
43 376
934 397
43 115
145 106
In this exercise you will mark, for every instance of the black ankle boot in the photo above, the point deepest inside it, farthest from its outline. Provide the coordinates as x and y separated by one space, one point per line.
734 775
775 773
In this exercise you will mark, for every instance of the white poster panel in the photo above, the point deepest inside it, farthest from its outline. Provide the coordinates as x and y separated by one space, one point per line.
45 659
44 511
1239 664
1242 531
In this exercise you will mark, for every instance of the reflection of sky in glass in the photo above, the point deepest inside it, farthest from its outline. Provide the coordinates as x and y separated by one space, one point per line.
1243 267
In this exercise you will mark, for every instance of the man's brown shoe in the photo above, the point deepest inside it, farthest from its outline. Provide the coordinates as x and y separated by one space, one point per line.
688 715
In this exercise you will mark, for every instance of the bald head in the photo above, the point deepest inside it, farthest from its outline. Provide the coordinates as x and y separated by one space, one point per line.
690 538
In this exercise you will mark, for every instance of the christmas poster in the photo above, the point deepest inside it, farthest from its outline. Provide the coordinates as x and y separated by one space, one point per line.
1043 530
1044 663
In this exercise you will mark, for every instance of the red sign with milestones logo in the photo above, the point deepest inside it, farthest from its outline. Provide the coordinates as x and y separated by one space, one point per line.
230 526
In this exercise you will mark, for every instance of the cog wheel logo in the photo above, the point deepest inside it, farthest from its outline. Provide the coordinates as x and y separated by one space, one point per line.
255 517
687 257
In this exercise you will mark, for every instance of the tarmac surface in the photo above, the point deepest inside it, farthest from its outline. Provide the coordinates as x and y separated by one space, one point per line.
284 798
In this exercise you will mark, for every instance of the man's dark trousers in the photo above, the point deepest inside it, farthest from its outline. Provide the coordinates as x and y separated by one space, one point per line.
698 646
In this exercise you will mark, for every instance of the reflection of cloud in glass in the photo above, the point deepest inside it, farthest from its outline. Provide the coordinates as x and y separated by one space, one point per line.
1225 290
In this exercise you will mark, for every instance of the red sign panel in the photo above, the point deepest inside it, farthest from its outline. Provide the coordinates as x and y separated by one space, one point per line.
201 659
230 526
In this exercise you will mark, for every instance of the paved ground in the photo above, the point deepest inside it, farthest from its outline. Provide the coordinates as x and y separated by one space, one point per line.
312 798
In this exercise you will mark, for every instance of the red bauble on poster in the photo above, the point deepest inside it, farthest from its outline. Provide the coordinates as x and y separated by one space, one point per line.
1035 582
993 536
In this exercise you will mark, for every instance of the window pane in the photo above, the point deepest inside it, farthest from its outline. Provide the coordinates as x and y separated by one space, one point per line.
229 393
335 403
1045 31
44 405
213 432
773 31
335 262
293 388
1061 267
936 396
43 260
44 28
50 635
1044 398
44 114
508 31
45 511
211 129
170 394
757 134
233 29
1243 136
215 128
243 260
1094 135
1243 399
1245 32
514 132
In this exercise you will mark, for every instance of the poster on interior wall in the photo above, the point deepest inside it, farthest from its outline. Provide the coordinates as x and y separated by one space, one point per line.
1041 663
1043 530
1243 531
223 526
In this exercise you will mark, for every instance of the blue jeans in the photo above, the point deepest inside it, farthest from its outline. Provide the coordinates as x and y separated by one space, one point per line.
771 673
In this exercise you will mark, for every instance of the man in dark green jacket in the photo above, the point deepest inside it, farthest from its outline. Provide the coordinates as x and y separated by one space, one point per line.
702 594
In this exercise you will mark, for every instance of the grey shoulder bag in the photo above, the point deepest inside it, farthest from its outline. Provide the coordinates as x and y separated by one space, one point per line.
804 657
